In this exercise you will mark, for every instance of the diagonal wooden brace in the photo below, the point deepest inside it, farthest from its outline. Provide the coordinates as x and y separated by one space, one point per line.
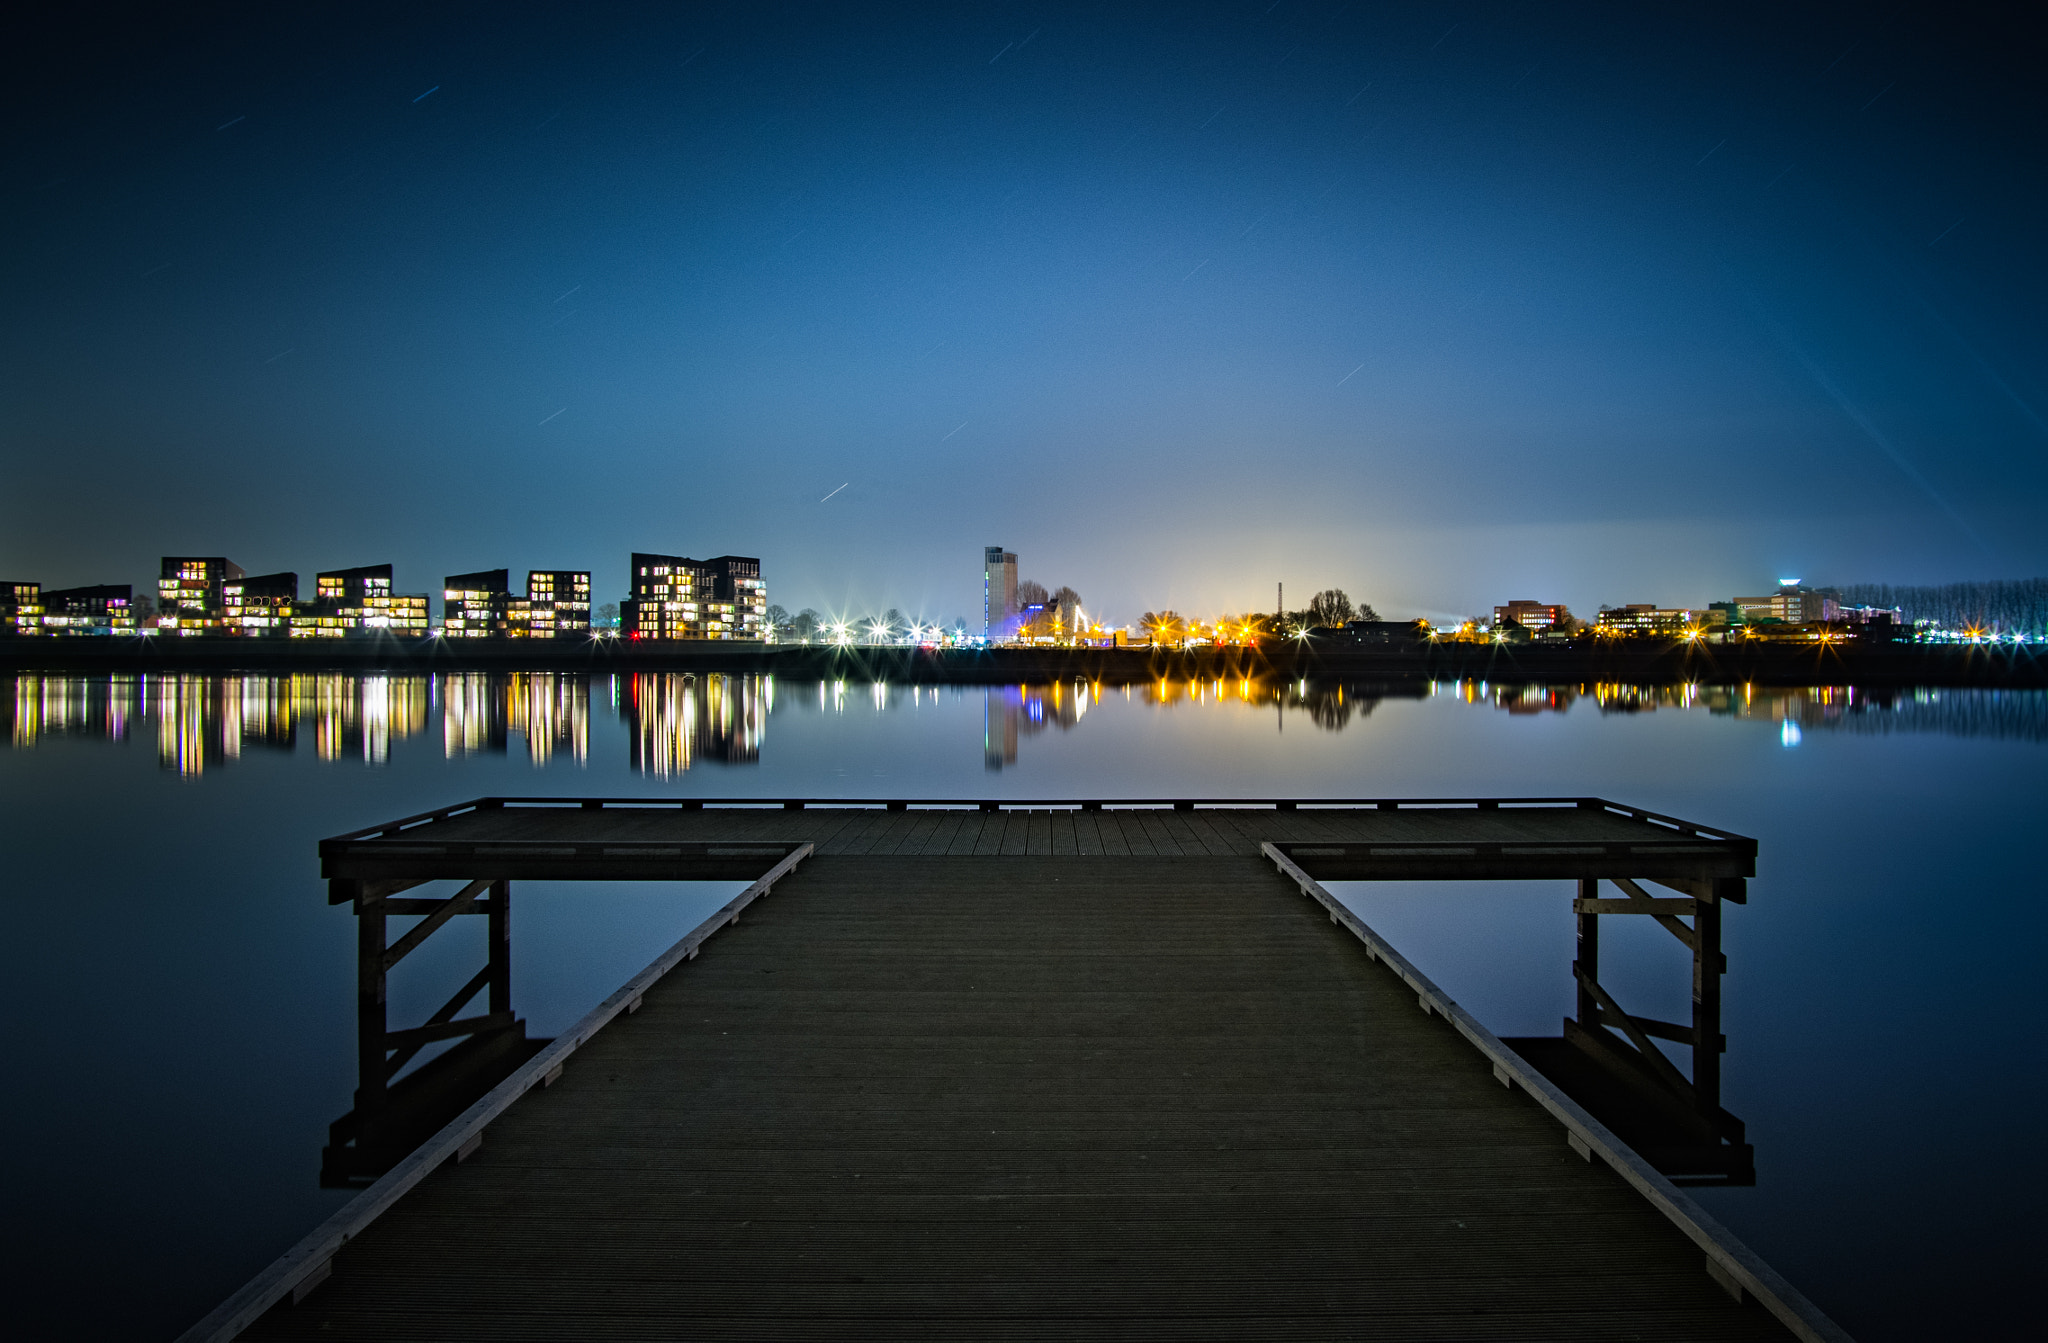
460 903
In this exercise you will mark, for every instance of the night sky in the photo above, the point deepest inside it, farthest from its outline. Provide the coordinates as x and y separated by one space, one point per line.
1441 304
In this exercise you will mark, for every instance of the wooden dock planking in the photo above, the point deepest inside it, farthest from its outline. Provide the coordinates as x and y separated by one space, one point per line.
1034 1069
1064 1097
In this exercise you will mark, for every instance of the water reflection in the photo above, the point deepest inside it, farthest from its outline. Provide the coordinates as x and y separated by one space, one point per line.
481 711
2020 715
205 721
677 720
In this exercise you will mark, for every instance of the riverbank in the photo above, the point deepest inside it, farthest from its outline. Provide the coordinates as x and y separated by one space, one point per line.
1629 662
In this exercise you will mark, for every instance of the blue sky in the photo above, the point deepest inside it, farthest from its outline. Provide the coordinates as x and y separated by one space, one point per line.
1442 304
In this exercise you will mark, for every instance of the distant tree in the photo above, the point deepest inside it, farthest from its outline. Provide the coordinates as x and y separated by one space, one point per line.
1031 592
1365 612
143 606
778 621
895 625
607 616
1069 603
1329 608
806 624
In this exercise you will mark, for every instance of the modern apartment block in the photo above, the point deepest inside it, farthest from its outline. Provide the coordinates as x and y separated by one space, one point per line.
669 593
189 598
21 607
998 593
476 606
481 605
556 606
1646 618
1791 604
348 601
675 597
262 606
1532 616
104 608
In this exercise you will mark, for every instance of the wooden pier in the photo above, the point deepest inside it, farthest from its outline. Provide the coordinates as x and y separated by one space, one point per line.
1026 1070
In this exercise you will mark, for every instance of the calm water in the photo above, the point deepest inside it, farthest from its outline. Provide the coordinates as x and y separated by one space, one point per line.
179 993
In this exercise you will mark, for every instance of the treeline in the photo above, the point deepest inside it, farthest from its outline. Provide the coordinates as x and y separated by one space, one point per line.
2011 606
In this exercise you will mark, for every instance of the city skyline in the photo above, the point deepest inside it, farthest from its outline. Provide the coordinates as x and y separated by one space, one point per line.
1424 303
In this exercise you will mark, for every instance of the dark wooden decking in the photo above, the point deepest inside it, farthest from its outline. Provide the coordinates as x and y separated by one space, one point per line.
1139 1088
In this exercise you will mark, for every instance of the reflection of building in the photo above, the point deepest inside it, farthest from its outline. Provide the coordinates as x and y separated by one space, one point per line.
1001 711
206 720
998 593
360 600
679 598
472 715
189 592
21 608
480 711
1011 712
263 605
38 706
678 718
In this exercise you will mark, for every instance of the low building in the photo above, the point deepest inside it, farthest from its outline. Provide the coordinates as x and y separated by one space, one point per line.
556 605
189 598
1534 617
1792 604
262 606
675 597
476 606
359 601
21 607
1644 619
106 608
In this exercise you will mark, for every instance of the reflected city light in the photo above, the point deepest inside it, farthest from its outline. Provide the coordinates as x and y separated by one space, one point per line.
677 720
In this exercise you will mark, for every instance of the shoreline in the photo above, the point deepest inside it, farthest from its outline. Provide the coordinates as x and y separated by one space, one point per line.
1772 665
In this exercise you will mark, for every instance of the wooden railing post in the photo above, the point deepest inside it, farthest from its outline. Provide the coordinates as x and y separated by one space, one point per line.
371 1024
500 937
1706 993
1589 956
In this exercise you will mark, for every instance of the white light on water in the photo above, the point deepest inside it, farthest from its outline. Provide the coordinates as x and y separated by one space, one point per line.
1789 734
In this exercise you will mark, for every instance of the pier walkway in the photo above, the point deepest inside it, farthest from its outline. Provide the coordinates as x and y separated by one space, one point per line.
1068 1070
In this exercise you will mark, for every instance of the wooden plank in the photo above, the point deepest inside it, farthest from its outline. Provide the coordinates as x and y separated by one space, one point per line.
1038 836
940 841
1131 828
1157 830
916 833
1064 844
1016 836
967 838
1109 829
